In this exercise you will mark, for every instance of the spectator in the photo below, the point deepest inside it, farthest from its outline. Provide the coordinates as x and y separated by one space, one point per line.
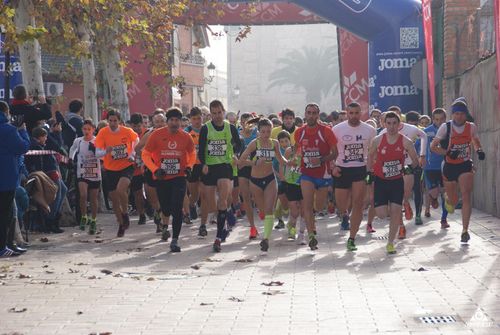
73 122
15 142
299 122
31 114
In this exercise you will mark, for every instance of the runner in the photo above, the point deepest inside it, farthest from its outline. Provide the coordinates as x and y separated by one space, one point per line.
458 168
88 174
248 133
386 160
317 143
170 153
262 179
194 179
137 183
219 140
432 172
116 143
353 140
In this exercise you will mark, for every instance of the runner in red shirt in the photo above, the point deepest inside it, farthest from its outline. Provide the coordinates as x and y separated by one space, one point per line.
170 154
386 161
318 146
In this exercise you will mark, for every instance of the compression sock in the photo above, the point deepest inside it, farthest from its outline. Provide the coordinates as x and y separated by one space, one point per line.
268 226
221 222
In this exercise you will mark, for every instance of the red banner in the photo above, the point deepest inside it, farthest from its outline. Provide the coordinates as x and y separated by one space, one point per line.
429 50
497 34
353 56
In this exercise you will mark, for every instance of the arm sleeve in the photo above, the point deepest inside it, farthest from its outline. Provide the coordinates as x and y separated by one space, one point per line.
18 141
423 141
74 147
202 144
235 139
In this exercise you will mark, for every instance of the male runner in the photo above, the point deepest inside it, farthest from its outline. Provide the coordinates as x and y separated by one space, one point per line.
116 143
458 167
317 143
137 183
195 118
353 140
219 141
170 153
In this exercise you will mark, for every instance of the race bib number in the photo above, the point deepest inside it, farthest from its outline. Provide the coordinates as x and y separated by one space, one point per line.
463 150
392 168
138 161
353 153
307 159
217 148
89 169
119 152
266 154
171 166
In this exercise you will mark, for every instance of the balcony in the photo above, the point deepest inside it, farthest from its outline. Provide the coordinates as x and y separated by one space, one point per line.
193 59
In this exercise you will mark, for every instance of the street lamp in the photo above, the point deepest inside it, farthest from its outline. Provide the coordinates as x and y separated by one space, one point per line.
211 73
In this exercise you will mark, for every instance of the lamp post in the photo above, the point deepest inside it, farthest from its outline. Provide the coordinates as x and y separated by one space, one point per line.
211 73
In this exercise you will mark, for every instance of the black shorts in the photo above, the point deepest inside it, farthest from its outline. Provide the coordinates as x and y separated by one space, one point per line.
171 196
293 192
451 172
281 187
91 184
388 191
136 183
236 182
433 179
348 175
263 182
113 177
216 172
148 178
195 173
245 172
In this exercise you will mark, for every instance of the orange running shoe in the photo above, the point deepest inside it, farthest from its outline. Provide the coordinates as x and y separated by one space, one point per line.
402 232
408 211
253 233
262 215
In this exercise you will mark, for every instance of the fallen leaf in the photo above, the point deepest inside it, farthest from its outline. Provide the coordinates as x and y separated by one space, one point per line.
420 269
118 275
244 260
80 264
79 313
195 267
23 276
274 292
44 239
45 266
106 272
84 241
17 310
49 272
206 304
210 260
236 299
150 279
5 268
73 271
93 277
98 241
273 283
44 282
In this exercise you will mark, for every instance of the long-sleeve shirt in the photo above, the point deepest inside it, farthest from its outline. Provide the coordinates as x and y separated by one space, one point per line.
202 145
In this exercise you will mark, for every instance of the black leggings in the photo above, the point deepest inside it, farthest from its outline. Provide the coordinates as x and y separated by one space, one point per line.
417 191
6 215
171 196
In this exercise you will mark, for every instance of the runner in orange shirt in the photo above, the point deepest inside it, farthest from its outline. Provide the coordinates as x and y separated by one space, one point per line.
116 143
170 154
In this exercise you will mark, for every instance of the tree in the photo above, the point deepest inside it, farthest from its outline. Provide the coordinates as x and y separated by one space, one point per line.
312 69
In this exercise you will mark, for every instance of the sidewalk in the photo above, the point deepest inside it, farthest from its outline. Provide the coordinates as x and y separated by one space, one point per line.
330 291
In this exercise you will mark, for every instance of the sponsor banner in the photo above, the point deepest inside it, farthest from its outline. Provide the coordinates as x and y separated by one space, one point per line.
15 73
393 54
353 57
497 35
429 50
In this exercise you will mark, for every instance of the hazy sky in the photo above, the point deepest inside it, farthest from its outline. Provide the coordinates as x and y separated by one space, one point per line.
217 53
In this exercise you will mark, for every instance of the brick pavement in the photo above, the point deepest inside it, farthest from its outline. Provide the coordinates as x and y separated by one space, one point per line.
330 291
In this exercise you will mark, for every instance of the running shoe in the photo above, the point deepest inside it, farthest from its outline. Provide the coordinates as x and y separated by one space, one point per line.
192 212
121 231
92 226
449 207
292 231
418 221
157 218
83 222
202 231
186 219
345 222
390 249
216 246
158 228
7 252
231 219
174 247
301 238
408 211
427 214
444 224
126 221
402 232
165 233
253 233
465 237
313 242
434 202
239 214
262 215
280 224
142 219
264 245
369 228
350 245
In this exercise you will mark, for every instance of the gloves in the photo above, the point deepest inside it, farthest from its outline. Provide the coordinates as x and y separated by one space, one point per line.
480 155
453 154
187 171
160 173
92 147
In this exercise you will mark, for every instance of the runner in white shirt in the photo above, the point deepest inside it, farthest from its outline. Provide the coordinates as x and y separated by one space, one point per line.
413 133
353 141
88 172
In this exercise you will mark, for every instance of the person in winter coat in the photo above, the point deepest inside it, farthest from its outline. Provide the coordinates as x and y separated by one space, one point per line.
22 107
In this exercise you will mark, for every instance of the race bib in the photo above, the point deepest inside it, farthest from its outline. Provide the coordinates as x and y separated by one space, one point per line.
392 168
307 159
217 148
267 154
119 152
89 169
463 150
353 153
171 166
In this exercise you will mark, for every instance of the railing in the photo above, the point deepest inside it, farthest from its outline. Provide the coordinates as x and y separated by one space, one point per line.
190 58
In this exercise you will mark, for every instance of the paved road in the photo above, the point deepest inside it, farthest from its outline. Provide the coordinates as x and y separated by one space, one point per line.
330 291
